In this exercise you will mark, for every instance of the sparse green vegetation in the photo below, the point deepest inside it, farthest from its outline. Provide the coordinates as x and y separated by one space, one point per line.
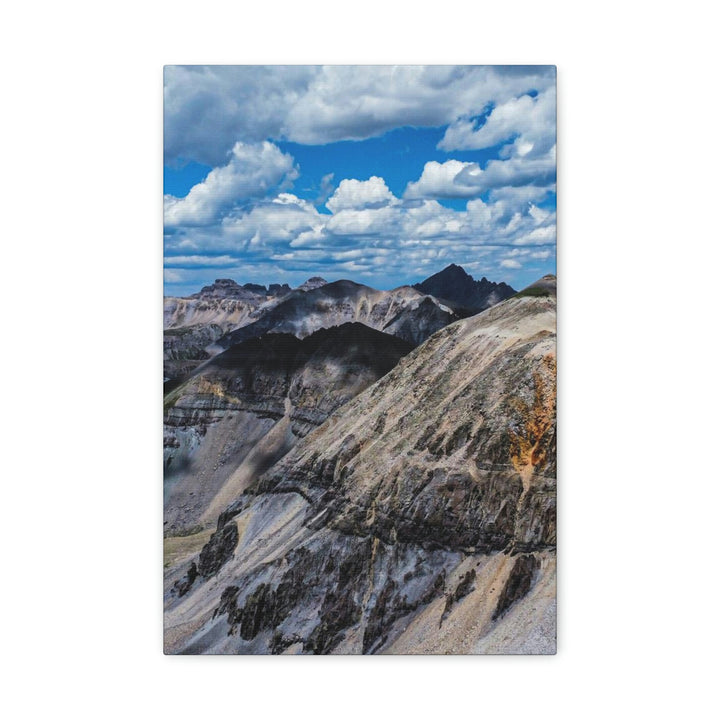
180 546
533 292
186 532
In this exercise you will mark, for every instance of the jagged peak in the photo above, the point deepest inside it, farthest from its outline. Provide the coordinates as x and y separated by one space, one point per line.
229 288
456 285
452 270
222 282
224 288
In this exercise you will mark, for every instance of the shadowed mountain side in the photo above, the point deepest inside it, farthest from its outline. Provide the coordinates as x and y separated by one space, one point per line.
419 518
184 348
393 311
456 286
247 407
416 323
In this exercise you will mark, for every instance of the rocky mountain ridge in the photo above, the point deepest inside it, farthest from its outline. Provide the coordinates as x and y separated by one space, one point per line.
403 312
203 324
419 517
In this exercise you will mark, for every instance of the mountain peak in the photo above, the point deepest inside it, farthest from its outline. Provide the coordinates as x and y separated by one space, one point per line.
452 270
455 285
222 283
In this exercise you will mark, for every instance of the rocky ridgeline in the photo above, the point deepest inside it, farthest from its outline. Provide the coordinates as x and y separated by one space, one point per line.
225 313
403 312
226 288
420 517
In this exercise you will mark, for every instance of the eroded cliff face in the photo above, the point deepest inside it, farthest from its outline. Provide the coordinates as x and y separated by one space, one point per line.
419 517
184 348
248 406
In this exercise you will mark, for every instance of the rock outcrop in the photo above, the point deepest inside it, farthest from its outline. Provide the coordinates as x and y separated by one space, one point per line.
312 284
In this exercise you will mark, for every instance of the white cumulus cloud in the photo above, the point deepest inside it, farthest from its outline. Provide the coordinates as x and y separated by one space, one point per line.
359 194
440 180
206 107
251 172
515 172
529 122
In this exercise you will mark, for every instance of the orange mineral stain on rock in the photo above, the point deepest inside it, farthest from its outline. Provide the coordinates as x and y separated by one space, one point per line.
529 445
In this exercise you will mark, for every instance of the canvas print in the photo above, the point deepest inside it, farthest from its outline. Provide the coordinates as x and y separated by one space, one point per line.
359 360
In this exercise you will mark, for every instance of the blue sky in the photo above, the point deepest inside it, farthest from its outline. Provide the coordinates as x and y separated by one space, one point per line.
384 175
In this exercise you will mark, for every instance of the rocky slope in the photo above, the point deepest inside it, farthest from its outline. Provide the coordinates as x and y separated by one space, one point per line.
403 312
419 518
193 324
455 286
249 405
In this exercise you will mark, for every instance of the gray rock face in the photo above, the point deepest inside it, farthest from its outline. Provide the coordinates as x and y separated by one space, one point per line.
418 321
218 550
185 348
312 284
419 517
518 583
192 326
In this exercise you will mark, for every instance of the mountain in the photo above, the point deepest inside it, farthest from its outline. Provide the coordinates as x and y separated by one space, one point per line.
418 518
403 312
193 324
244 409
225 313
454 285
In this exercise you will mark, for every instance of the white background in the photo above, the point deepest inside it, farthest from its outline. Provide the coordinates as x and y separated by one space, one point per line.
81 306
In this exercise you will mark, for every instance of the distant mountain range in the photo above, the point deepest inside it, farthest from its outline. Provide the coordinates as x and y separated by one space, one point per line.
404 312
224 313
226 288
